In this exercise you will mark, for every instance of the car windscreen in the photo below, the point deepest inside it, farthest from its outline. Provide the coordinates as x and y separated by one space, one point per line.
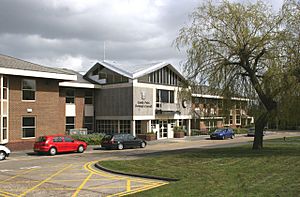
218 130
41 139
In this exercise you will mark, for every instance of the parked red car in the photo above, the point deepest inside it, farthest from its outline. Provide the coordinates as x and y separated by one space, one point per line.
58 143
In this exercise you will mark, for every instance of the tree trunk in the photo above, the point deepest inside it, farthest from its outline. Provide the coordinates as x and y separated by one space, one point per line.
260 124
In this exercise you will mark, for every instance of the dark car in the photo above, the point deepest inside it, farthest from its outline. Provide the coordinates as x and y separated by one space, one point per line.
222 134
120 141
53 144
251 132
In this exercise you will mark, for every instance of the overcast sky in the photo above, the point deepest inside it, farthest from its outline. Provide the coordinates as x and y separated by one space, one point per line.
72 33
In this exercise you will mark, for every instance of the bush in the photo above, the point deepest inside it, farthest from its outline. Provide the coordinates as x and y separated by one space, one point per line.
240 130
90 139
200 132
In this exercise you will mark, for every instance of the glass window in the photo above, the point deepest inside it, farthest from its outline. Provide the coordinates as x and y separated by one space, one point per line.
138 126
107 126
88 97
171 96
4 88
70 96
125 126
28 127
57 139
68 139
28 89
70 123
88 123
4 128
164 96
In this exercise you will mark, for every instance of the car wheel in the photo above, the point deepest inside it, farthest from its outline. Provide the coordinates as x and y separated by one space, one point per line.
52 151
232 137
223 137
143 145
120 146
2 155
80 149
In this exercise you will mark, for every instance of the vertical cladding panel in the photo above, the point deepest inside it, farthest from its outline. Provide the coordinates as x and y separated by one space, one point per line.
46 108
114 102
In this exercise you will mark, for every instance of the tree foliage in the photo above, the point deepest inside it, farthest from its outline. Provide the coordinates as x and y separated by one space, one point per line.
244 49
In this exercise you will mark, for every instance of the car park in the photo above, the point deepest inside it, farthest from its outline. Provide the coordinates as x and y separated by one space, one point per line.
4 152
57 144
222 133
121 141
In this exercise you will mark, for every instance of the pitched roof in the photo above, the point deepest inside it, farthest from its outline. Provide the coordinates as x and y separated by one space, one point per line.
80 82
134 71
13 66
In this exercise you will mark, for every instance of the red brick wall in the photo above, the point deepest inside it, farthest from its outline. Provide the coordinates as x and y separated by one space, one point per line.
79 103
47 109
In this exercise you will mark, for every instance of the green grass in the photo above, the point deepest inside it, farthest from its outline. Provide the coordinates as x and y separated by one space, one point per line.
238 171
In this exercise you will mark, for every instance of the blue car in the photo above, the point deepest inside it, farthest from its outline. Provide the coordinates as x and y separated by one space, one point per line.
222 134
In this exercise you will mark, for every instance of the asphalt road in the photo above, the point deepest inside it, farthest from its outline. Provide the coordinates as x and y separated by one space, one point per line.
73 174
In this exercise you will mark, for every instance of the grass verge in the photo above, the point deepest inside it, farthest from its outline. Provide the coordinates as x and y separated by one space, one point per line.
237 171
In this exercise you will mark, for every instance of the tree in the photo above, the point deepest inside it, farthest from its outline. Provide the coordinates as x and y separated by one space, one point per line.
237 47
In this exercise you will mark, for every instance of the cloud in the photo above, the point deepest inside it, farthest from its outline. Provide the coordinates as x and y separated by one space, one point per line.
71 33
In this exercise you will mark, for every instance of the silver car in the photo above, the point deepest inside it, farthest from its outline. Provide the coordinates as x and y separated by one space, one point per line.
4 152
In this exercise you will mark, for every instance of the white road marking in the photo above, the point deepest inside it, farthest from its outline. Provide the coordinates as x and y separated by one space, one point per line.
28 168
6 170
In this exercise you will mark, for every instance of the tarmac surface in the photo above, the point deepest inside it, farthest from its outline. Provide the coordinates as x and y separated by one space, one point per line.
27 174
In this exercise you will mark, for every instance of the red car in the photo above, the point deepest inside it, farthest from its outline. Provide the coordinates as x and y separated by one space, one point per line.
58 143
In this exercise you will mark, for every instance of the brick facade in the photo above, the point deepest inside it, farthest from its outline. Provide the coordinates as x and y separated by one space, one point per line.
47 109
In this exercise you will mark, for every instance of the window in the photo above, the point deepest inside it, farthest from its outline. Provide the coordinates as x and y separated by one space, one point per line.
57 139
4 128
28 89
171 96
138 126
107 126
165 96
4 88
70 96
88 97
88 123
70 123
125 126
238 119
68 139
28 127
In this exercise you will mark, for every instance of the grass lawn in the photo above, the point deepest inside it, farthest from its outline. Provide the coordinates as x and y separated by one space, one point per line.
238 171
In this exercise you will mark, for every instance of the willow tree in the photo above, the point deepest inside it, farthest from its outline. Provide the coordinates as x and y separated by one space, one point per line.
236 47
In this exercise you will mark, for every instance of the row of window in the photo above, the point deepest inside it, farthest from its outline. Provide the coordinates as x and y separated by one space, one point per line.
29 89
29 125
87 123
70 96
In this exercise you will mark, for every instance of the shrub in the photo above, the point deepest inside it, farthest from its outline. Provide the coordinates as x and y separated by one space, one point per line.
200 132
90 139
240 130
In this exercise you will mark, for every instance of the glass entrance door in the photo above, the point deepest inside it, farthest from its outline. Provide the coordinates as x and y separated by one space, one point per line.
163 129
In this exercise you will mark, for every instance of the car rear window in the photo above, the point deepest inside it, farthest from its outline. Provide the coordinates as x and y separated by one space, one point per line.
42 139
107 137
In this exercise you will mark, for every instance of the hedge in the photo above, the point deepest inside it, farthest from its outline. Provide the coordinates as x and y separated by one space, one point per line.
90 139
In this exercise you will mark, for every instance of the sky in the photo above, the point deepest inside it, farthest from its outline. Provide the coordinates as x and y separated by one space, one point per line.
76 34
